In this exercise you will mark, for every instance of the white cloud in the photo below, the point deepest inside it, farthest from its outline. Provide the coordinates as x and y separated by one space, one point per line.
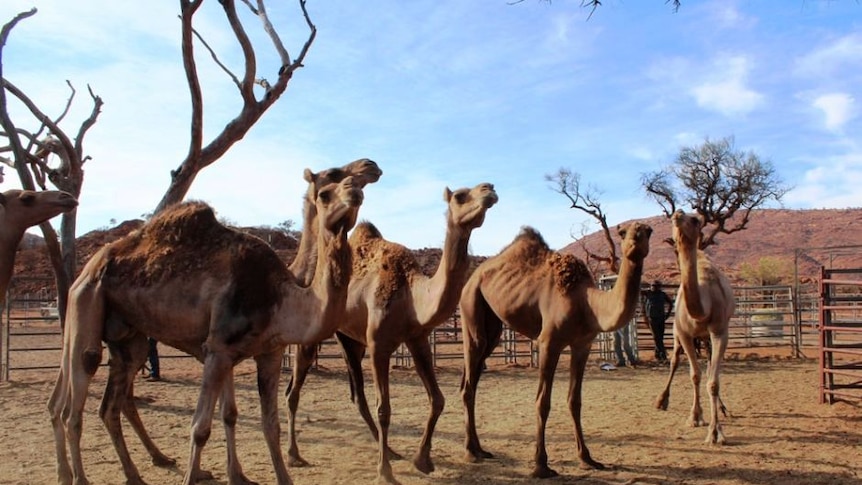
837 108
845 51
727 92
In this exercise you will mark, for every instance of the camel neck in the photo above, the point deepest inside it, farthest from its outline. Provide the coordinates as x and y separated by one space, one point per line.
443 289
616 307
302 266
688 261
8 247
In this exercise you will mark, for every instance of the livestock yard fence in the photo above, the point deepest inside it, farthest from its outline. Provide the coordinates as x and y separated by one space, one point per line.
768 319
840 347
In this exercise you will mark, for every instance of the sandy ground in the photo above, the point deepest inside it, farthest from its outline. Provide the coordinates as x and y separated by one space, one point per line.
777 431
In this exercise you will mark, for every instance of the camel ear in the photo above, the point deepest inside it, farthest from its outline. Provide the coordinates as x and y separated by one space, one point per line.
308 175
447 194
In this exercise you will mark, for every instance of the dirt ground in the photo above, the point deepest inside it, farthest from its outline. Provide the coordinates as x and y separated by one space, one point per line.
777 431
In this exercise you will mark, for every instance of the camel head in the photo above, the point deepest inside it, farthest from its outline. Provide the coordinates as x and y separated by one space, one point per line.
635 241
20 209
363 171
467 207
338 205
686 230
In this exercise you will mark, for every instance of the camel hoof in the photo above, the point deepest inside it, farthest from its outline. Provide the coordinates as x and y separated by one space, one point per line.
715 437
163 461
423 464
136 481
662 402
590 464
392 455
387 480
296 461
202 475
242 480
543 472
477 456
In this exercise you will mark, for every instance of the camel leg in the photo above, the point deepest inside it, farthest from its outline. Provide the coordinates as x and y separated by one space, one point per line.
380 370
229 415
353 351
719 345
663 399
696 418
59 396
85 317
576 379
549 356
422 358
121 370
268 374
481 330
217 366
304 357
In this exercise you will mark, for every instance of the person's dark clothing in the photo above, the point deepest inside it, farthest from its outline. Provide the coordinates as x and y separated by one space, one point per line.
153 357
657 307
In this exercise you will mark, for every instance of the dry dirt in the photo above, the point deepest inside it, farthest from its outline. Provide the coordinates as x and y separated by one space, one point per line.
777 431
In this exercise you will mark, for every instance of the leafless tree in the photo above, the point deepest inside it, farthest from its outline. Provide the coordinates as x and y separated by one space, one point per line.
718 182
201 155
28 153
586 200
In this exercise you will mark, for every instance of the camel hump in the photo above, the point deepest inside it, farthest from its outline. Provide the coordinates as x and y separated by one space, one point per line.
364 231
568 271
194 219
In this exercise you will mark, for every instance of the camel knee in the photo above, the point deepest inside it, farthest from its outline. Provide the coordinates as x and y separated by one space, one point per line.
229 415
713 387
201 434
438 402
91 360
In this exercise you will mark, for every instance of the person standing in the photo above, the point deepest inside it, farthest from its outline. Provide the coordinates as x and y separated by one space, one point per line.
657 307
622 341
153 357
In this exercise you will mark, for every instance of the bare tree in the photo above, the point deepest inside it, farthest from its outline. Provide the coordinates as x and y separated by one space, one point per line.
722 184
253 106
28 153
586 200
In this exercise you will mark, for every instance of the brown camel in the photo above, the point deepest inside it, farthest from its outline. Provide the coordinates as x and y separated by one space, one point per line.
19 210
123 365
213 292
551 298
391 302
704 305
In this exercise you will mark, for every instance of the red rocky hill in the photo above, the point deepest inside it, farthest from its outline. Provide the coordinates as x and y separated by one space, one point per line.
771 232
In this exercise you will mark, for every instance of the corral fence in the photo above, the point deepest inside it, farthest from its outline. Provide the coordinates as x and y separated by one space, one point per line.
768 318
840 346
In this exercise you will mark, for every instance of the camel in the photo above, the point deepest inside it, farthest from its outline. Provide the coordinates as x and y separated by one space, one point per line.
123 366
704 305
551 298
391 302
218 294
20 209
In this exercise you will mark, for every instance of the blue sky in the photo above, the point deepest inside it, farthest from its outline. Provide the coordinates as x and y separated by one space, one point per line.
455 93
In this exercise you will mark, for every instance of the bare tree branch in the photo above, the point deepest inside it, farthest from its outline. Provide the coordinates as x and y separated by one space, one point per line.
200 156
217 61
568 184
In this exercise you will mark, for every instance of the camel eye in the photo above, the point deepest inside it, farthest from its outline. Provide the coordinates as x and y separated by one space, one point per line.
460 196
325 196
27 198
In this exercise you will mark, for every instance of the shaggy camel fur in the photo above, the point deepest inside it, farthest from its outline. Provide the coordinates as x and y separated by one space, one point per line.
704 305
391 302
123 365
551 298
213 292
20 209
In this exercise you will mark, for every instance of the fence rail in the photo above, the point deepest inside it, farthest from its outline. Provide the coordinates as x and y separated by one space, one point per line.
840 335
769 318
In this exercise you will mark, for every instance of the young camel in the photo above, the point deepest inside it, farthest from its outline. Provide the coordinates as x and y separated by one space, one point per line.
19 210
213 292
551 298
391 302
704 305
126 358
